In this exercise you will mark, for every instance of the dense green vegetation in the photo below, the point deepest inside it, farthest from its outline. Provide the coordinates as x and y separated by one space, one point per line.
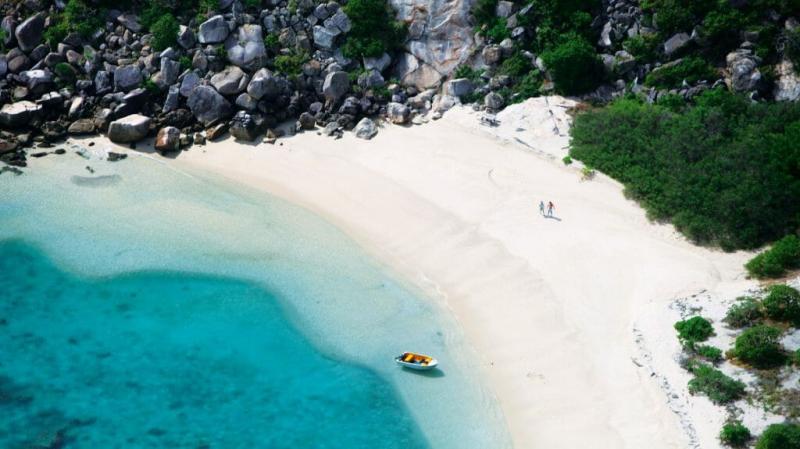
291 64
78 16
746 312
374 30
690 69
734 434
725 170
165 32
714 384
780 436
782 303
760 346
710 353
694 330
784 255
574 65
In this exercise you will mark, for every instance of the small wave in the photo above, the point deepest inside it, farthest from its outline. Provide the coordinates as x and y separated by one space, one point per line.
96 181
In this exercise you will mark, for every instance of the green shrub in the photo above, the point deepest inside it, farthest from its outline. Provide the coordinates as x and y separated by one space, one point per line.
65 72
291 64
185 62
567 160
165 32
710 353
56 33
154 11
714 384
465 71
782 256
574 65
780 436
782 303
694 330
745 312
760 347
644 47
515 66
734 434
252 4
671 75
81 18
272 42
498 30
671 15
723 170
528 86
374 30
151 87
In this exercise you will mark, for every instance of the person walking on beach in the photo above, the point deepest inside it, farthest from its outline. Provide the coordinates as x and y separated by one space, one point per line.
550 207
541 208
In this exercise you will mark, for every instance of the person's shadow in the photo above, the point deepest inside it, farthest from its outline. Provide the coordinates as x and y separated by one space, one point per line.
552 217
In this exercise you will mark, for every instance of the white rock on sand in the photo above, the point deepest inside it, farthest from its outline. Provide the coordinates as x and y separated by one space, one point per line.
549 304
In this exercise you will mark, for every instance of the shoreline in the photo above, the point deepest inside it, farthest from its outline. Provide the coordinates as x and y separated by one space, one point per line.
452 209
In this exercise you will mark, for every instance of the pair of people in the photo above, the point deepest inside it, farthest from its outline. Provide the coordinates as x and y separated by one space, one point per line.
550 208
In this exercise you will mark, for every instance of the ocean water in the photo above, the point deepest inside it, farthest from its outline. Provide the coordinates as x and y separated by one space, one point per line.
142 306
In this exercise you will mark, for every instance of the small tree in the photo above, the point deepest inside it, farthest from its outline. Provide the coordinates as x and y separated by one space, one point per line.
760 346
693 330
782 303
714 384
734 434
782 256
165 32
744 313
574 64
374 30
780 436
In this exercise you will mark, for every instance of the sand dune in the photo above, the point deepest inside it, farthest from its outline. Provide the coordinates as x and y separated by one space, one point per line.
550 303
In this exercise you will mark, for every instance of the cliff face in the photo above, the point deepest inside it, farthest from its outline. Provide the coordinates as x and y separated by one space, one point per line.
440 38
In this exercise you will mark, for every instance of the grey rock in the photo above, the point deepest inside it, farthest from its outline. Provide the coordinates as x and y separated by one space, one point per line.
39 82
200 61
208 105
494 101
213 30
787 84
380 63
19 114
365 129
246 102
263 84
168 139
504 8
491 54
81 127
130 21
458 87
338 21
131 128
102 82
323 37
306 121
173 99
370 79
247 127
190 80
186 37
412 72
744 75
397 113
624 62
29 32
169 73
230 81
675 43
127 78
335 86
246 49
3 66
605 36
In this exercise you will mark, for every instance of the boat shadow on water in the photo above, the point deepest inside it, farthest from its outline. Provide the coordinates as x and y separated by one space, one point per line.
436 372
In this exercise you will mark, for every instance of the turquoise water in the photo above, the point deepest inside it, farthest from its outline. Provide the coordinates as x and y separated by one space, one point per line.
174 360
146 306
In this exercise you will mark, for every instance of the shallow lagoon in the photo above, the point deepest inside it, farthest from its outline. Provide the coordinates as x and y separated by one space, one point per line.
197 314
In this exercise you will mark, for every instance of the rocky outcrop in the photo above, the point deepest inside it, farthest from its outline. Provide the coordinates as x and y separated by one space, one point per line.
129 129
230 81
440 37
365 129
246 47
743 73
336 85
29 32
787 84
168 139
207 105
19 114
213 31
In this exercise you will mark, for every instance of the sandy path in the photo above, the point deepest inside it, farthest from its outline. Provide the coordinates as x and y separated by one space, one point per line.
549 304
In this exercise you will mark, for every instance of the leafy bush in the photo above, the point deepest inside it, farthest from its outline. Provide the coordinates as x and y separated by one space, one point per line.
760 347
644 47
693 330
567 160
710 353
724 171
574 65
81 18
671 75
291 64
744 313
780 436
782 303
465 71
498 30
152 13
782 256
65 72
165 32
272 42
151 87
734 434
374 30
714 384
185 62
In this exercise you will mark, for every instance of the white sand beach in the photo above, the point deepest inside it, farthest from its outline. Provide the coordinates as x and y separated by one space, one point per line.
556 308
